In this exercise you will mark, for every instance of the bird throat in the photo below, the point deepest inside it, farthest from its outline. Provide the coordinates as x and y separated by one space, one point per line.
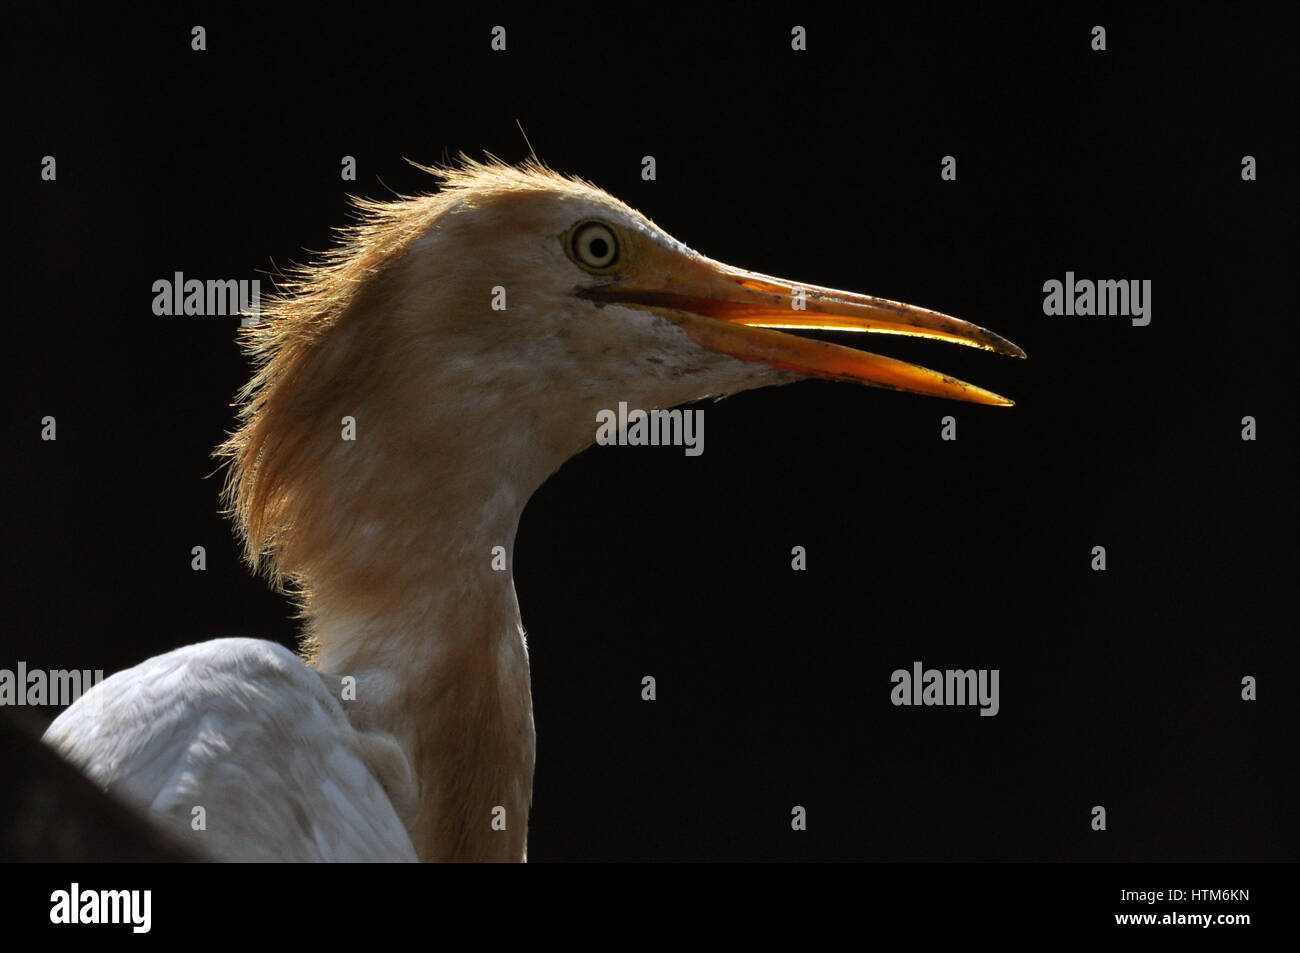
434 643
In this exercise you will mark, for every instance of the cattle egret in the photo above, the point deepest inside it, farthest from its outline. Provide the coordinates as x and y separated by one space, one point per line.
412 391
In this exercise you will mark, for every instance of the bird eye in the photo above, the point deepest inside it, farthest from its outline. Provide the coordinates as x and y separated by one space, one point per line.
594 246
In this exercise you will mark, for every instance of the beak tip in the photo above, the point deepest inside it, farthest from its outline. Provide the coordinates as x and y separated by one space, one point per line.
1009 348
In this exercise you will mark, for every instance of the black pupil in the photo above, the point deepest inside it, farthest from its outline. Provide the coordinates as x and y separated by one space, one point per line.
598 247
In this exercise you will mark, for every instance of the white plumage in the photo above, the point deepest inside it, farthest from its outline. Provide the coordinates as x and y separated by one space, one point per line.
212 727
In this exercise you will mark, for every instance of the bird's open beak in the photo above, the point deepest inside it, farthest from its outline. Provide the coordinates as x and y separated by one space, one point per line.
733 311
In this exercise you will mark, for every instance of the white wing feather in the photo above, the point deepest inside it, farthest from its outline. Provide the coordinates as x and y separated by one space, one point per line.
244 730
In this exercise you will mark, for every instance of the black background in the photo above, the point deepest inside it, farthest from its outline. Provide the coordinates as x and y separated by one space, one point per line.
1119 688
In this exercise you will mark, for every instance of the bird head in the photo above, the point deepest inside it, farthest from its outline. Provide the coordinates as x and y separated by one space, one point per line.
604 305
474 334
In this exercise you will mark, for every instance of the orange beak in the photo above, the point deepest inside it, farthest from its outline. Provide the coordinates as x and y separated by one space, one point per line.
733 312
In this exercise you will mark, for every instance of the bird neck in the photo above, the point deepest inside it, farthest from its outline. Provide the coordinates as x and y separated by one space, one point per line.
445 672
417 603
